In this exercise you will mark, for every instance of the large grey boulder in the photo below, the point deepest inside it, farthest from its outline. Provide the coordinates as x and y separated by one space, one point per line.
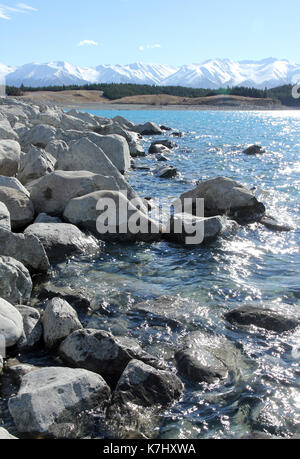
12 182
148 129
84 116
116 149
32 328
15 281
136 149
190 230
57 148
62 239
19 206
38 136
59 321
25 248
70 122
52 400
87 211
45 218
35 164
262 318
6 131
166 172
101 352
207 358
5 435
10 153
4 218
52 192
124 122
50 117
11 323
223 195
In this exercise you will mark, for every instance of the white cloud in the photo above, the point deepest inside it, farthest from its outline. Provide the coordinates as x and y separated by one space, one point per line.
87 43
143 47
23 6
6 11
2 14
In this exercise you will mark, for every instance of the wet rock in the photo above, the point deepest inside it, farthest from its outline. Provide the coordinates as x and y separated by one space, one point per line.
223 195
272 224
165 143
59 321
77 299
11 323
25 248
148 129
157 148
4 218
51 400
101 352
165 128
62 239
19 206
5 435
177 134
254 150
166 172
262 318
32 327
207 358
35 164
88 213
136 149
190 230
15 281
161 157
10 153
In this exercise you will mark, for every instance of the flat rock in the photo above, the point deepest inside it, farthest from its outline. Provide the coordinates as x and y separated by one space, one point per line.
11 323
15 281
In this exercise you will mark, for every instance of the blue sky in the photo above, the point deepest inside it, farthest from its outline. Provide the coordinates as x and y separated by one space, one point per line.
172 32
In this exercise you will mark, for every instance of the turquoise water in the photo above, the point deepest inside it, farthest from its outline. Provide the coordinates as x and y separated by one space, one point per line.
253 265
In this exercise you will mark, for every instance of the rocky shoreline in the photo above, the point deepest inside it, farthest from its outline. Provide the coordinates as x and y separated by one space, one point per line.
55 169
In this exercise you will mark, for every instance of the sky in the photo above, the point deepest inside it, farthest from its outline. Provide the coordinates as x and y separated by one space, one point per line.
174 32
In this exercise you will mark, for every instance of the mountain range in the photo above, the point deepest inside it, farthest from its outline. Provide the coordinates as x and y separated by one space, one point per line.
211 74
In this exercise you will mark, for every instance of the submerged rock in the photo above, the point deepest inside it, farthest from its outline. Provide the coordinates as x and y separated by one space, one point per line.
11 323
62 239
51 400
262 318
272 224
15 281
254 150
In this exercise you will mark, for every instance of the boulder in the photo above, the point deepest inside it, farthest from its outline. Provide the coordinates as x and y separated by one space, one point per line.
148 129
59 321
115 148
126 124
25 248
165 172
10 152
145 386
161 157
12 182
207 358
15 281
52 192
45 218
136 150
57 148
32 328
88 118
70 122
254 150
35 164
79 299
272 224
114 128
187 229
6 131
122 216
50 117
11 323
262 318
51 401
165 143
101 352
62 239
225 196
5 435
39 136
19 206
4 218
159 149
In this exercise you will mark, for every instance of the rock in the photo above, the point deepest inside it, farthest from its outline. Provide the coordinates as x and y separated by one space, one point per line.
49 117
148 129
70 122
10 152
143 385
4 435
101 352
19 206
77 299
25 248
165 172
165 143
15 281
207 358
1 362
114 128
51 400
225 196
88 118
12 182
126 124
83 213
115 148
11 323
262 318
57 148
177 134
35 164
272 224
32 327
12 377
6 132
52 192
188 229
254 150
45 218
59 321
4 218
39 136
158 149
62 239
160 157
136 149
165 128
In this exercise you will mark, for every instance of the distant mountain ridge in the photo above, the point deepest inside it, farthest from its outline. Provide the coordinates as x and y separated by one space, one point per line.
211 74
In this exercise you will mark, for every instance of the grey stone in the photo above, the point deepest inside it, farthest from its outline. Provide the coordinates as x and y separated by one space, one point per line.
33 329
19 206
11 323
10 153
15 281
4 218
35 164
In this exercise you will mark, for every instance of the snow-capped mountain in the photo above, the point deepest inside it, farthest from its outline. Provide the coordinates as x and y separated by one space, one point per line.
211 74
